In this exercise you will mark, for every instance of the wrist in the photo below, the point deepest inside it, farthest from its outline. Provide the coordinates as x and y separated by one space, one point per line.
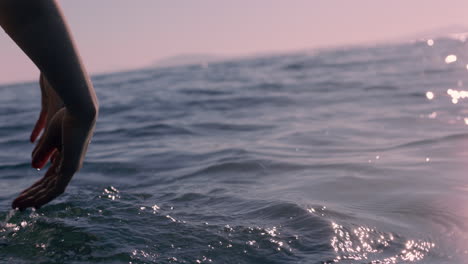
86 114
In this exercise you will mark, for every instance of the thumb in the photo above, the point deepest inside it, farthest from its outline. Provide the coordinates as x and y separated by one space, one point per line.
50 141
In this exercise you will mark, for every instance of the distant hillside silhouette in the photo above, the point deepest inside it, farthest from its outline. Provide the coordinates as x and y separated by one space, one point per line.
188 59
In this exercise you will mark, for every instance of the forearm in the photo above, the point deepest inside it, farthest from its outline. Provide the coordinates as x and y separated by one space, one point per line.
38 28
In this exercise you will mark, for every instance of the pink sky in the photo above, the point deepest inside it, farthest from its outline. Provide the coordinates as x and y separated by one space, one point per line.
121 34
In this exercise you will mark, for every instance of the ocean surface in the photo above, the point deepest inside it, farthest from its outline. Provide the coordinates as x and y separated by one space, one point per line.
344 155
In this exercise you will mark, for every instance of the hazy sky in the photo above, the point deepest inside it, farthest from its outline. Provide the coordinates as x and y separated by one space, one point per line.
124 34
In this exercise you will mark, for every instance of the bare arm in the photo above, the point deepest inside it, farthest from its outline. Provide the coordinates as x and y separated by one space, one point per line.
39 29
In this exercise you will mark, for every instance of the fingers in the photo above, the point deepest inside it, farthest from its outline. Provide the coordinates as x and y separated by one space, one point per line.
46 197
50 172
41 192
64 141
38 200
28 198
40 124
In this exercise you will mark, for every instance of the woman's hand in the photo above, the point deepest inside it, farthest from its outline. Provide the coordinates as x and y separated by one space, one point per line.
64 143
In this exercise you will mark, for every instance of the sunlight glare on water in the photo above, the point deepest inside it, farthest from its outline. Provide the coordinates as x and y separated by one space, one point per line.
457 95
430 42
364 243
430 95
450 58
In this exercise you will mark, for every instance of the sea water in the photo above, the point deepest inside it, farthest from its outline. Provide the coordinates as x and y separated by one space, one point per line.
344 155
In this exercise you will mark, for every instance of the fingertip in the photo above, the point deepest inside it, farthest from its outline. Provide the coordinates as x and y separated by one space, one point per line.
16 207
37 164
22 205
14 204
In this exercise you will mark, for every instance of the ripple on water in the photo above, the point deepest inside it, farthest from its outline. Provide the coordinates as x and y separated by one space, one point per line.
124 226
